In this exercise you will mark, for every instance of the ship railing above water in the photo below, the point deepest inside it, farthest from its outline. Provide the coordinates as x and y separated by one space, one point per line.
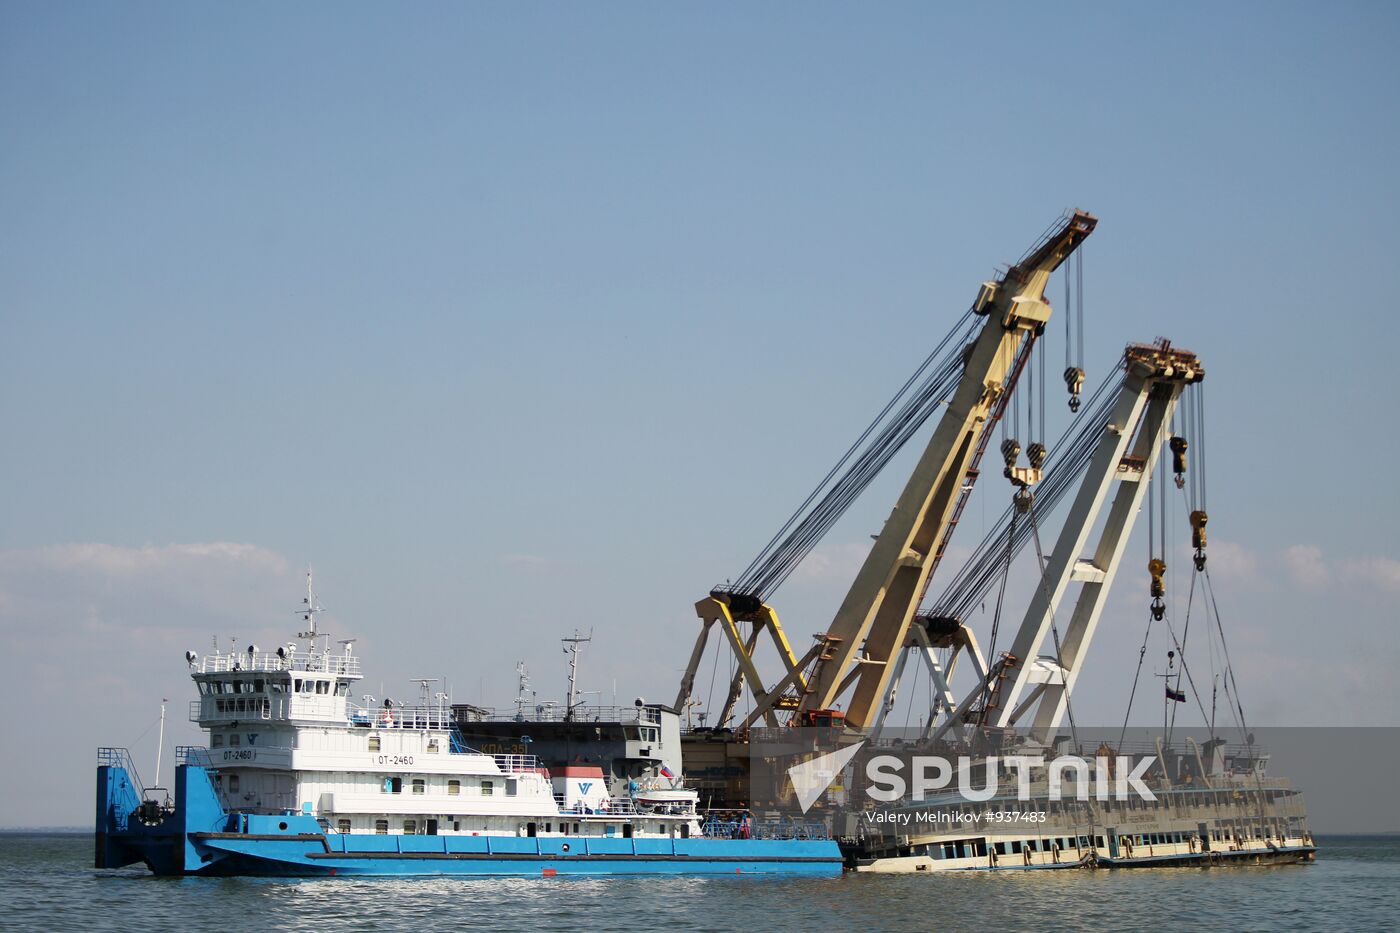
314 661
120 758
193 755
645 715
513 763
402 717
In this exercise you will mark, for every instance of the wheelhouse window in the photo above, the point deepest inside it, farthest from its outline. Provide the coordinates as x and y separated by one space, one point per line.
419 785
432 746
374 743
454 787
233 739
233 783
487 788
216 741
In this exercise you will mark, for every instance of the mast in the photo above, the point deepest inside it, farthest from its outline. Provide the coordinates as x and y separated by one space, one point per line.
309 610
573 642
160 737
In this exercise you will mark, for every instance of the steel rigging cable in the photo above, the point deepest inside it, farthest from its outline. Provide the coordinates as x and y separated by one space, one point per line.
896 422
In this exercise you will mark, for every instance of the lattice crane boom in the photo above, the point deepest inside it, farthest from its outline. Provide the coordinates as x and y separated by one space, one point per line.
872 624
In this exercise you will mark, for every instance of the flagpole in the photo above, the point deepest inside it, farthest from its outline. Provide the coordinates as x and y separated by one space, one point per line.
160 739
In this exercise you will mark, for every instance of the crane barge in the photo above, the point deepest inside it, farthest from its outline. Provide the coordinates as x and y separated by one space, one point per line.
1219 805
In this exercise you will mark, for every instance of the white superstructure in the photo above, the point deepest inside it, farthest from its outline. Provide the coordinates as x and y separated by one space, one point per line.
286 734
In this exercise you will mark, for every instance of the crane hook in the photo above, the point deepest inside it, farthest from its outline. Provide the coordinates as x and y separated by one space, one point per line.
1157 568
1198 537
1178 446
1074 382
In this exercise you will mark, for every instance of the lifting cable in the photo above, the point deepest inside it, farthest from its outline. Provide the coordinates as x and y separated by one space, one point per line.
897 421
1071 456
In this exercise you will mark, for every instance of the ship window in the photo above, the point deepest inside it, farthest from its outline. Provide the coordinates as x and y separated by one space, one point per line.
418 785
233 783
410 827
512 786
396 785
432 746
296 685
374 743
381 827
454 787
259 686
342 690
342 826
216 741
233 738
487 788
323 687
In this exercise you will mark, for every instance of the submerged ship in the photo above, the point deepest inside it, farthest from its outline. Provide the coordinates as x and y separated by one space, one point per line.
299 779
1212 802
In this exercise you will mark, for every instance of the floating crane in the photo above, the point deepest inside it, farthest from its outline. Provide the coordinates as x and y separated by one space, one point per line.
855 657
1115 449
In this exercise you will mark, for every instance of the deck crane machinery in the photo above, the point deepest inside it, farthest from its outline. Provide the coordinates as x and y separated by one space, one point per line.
1115 449
854 657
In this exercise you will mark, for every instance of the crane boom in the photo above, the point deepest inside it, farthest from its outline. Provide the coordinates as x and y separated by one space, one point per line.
872 624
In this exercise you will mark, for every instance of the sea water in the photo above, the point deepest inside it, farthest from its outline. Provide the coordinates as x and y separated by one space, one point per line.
47 882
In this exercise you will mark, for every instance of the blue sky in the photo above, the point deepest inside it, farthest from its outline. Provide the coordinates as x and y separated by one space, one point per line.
512 319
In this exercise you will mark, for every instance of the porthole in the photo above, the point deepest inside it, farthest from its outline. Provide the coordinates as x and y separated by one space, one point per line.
282 825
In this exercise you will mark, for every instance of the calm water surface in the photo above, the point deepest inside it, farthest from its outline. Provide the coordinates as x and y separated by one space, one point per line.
47 883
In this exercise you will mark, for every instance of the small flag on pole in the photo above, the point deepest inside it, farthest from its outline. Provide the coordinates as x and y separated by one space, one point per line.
1177 695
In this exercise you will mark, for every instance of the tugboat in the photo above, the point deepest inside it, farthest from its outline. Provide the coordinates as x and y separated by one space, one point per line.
299 779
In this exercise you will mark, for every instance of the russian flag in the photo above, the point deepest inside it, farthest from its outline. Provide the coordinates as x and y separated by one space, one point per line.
666 772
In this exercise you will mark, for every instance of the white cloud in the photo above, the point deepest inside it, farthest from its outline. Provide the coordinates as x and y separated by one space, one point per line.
1382 572
1306 566
95 635
1227 559
125 561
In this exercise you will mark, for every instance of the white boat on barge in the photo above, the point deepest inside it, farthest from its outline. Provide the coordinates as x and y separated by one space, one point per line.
298 779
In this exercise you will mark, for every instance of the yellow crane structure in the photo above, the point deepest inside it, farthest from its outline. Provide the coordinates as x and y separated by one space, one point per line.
853 659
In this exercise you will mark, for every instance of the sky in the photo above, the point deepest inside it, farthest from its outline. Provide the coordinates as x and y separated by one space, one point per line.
512 320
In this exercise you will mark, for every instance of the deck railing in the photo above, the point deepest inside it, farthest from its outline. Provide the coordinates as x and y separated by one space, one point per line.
314 661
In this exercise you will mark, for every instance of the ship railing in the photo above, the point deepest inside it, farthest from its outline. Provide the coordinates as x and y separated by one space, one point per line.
513 763
402 717
196 755
553 712
613 806
114 757
740 824
313 661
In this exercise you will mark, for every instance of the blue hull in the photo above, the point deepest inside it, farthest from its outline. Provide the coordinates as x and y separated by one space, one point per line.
199 838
